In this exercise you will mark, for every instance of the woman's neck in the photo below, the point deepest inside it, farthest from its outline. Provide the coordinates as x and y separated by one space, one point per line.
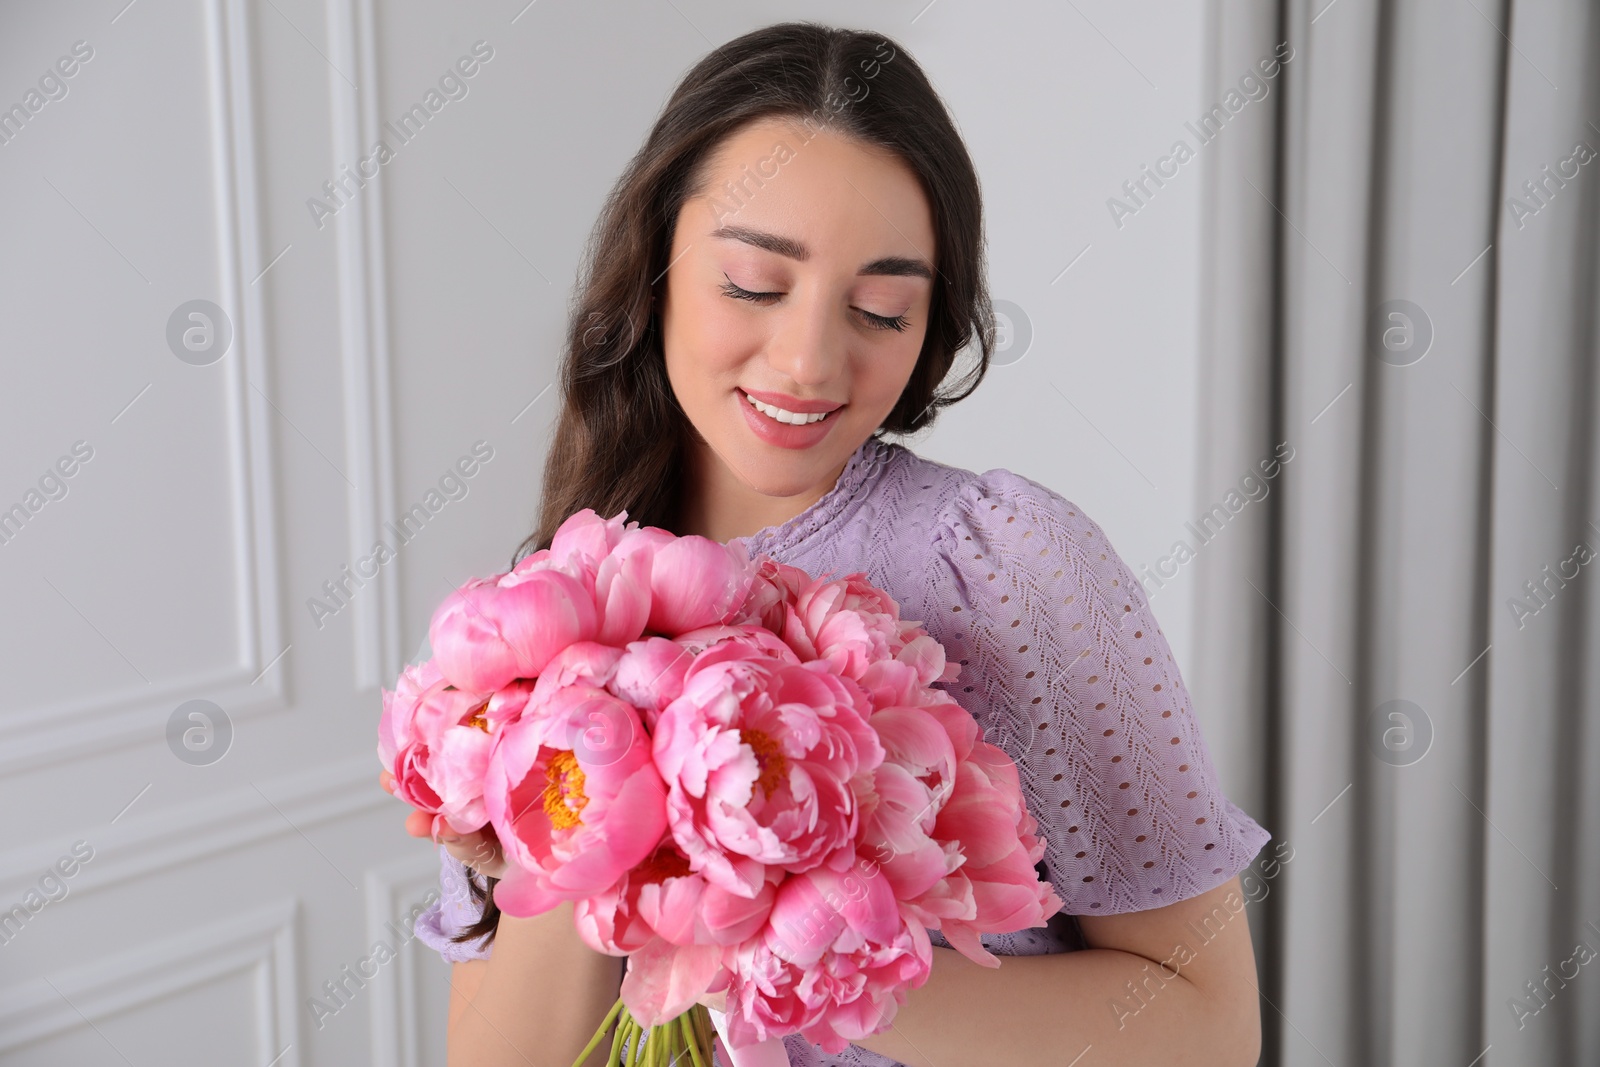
718 505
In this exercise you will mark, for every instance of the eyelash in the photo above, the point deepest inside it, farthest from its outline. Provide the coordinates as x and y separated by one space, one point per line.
877 322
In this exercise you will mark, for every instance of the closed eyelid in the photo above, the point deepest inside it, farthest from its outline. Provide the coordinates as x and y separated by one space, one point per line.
760 291
891 293
897 322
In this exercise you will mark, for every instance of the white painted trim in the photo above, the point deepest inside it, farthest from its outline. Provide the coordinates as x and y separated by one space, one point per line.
260 942
156 839
239 223
396 998
80 726
364 340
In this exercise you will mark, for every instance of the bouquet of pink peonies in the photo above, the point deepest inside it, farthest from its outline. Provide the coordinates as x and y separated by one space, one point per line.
740 775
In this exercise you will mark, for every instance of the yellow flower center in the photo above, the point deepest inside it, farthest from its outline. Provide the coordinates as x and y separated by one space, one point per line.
563 796
769 758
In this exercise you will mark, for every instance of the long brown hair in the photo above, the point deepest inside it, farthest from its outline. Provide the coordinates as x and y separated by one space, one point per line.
621 436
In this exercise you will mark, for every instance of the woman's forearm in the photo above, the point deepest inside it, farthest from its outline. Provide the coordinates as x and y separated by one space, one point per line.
544 991
1050 1008
542 994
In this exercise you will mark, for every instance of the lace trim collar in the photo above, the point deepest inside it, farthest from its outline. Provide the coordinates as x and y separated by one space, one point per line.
829 508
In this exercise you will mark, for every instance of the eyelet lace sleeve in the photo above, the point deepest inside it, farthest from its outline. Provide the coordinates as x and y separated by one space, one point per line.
1067 671
451 913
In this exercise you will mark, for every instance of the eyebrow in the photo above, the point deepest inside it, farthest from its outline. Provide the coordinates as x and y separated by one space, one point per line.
894 266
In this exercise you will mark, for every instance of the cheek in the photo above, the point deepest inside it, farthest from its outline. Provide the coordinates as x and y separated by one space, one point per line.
710 337
697 344
883 376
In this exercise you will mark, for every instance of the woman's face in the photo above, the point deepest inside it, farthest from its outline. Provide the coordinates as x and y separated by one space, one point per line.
803 269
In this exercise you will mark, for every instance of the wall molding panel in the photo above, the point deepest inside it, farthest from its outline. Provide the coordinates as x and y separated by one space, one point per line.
260 942
397 1004
50 733
184 834
364 339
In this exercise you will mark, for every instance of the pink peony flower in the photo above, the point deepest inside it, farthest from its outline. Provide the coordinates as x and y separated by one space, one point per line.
910 787
435 740
590 663
759 755
773 589
693 581
672 924
585 546
493 630
400 706
662 897
834 964
574 798
845 621
988 818
584 539
649 675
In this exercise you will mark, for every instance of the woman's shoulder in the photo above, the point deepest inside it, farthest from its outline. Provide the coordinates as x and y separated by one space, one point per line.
996 510
1003 551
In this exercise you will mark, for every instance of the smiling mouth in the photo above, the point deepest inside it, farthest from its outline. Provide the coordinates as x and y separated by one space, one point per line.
788 418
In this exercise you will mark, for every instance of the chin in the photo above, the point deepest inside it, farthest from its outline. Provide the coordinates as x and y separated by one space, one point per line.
777 472
780 472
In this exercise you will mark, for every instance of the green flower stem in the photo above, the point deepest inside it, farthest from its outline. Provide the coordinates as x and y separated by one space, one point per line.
599 1035
661 1045
700 1016
616 1046
629 1039
691 1039
687 1035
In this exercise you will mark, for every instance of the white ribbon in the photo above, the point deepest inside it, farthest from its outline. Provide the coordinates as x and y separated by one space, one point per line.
768 1053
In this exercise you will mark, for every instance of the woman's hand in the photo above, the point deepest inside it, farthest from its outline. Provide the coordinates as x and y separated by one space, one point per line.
479 850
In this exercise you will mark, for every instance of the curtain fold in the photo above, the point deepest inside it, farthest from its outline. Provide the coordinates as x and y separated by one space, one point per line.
1401 288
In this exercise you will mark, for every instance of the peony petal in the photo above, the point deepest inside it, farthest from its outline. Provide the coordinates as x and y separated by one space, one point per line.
468 646
622 593
520 895
695 581
664 980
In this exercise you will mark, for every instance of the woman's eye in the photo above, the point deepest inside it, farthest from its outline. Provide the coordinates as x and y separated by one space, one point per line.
883 322
745 294
877 322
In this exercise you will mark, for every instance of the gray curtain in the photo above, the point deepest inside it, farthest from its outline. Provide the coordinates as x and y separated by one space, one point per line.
1401 263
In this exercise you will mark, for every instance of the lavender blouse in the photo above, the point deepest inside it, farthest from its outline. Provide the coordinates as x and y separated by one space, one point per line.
1062 665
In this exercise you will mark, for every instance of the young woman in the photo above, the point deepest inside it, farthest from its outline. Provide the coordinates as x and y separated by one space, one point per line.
783 275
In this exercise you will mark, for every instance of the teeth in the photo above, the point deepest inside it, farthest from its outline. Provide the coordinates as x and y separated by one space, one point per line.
793 418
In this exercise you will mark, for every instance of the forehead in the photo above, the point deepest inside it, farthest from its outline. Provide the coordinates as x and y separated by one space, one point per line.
811 182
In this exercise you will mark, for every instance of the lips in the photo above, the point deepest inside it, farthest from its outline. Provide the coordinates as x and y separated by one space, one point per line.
786 434
792 403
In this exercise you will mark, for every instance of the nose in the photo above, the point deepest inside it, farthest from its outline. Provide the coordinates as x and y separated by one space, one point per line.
808 345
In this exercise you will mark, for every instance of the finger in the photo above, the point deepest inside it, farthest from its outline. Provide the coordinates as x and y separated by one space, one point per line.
476 846
419 824
386 780
481 853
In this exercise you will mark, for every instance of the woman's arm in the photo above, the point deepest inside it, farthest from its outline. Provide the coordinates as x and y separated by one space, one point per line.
539 995
1114 997
536 1000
